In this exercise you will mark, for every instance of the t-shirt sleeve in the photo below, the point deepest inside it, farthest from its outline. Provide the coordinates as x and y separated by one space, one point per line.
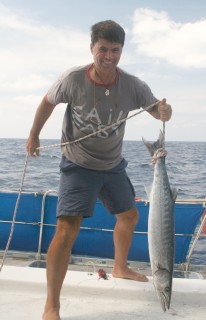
145 96
60 90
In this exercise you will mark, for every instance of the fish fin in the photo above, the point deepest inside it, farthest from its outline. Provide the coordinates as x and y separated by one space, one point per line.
148 190
174 193
152 147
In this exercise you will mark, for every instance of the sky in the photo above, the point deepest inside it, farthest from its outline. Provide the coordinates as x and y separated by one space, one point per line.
165 46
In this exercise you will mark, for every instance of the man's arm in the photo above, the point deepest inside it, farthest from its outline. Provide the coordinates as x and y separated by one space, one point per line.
43 112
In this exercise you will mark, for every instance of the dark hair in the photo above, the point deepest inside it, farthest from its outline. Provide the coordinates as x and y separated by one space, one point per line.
108 30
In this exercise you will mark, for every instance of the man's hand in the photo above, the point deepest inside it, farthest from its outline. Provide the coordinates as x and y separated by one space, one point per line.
32 145
43 112
165 110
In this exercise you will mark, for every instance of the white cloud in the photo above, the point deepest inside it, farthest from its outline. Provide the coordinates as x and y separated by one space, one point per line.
180 44
27 82
34 53
28 46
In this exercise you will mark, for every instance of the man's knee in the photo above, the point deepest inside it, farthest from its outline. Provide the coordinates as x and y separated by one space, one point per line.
67 229
131 216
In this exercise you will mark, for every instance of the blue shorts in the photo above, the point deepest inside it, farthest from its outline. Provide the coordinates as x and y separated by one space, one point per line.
80 188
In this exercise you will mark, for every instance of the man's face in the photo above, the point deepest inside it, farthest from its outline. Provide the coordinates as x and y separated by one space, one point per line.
106 54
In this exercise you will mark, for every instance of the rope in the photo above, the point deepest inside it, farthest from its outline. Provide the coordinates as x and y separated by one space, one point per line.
15 212
100 130
52 146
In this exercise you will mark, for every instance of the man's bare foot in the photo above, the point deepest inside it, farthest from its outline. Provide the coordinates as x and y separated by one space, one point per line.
130 274
51 315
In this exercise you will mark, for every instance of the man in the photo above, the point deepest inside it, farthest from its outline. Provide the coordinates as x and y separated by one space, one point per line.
97 95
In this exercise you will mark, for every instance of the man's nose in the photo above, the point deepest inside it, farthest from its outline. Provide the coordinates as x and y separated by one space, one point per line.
109 54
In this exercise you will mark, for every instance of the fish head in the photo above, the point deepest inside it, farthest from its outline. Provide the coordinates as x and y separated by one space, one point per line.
162 280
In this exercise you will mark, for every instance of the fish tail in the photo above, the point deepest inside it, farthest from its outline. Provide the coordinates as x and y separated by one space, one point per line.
153 147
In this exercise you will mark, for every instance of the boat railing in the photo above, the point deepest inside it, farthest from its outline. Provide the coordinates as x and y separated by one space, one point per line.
43 223
194 242
38 255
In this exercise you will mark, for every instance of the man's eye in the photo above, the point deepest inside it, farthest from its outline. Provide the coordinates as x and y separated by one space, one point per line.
116 50
102 50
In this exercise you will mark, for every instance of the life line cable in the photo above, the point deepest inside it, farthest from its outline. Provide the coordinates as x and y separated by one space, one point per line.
60 145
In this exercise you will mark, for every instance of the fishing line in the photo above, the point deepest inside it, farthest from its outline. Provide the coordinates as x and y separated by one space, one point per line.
57 145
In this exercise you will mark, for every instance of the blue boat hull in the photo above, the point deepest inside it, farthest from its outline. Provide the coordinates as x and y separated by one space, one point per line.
96 235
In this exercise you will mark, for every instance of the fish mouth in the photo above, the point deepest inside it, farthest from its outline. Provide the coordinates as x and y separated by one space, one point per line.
165 300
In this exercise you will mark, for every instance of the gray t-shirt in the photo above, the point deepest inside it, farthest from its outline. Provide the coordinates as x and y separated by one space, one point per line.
89 109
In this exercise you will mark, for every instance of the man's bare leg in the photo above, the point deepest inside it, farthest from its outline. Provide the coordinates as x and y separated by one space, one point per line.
123 234
57 263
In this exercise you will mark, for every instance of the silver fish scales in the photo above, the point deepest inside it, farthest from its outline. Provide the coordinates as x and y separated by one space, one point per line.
161 224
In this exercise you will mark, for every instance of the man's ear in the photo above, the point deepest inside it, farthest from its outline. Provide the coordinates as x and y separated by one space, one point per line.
91 47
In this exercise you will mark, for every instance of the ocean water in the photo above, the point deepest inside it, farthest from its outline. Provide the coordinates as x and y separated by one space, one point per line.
185 163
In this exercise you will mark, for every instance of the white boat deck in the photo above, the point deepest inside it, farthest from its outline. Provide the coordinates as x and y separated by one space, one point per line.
85 296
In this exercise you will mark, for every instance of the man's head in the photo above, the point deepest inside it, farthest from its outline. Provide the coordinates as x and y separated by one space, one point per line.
107 41
107 30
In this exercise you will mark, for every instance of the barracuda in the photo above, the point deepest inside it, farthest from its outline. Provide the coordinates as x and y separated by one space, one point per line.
161 224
